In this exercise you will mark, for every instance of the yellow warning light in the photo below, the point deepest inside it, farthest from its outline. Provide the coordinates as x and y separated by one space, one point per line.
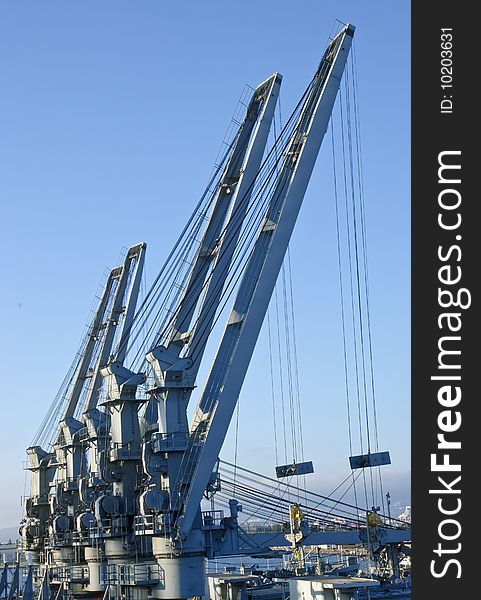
373 519
296 512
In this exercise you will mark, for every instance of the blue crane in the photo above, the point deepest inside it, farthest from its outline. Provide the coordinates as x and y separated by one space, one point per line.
117 504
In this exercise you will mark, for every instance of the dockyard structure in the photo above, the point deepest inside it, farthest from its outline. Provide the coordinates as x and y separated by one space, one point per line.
119 476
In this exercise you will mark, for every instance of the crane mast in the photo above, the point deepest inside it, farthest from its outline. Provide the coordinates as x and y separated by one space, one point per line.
115 508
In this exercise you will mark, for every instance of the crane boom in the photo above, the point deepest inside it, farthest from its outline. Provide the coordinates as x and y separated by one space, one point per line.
174 376
124 303
93 335
232 359
233 195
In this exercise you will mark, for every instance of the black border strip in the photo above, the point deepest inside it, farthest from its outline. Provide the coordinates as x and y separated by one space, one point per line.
455 132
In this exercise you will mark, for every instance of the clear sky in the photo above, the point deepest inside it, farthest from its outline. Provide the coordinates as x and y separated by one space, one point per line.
111 116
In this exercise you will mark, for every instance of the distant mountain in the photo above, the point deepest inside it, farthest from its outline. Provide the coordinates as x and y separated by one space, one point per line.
9 533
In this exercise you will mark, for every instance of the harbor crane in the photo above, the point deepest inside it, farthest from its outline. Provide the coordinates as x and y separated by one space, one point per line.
115 509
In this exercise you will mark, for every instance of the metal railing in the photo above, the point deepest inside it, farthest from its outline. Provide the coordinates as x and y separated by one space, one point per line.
135 574
163 442
144 525
124 451
212 518
73 574
108 528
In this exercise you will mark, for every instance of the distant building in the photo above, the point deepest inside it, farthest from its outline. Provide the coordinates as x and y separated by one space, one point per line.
406 515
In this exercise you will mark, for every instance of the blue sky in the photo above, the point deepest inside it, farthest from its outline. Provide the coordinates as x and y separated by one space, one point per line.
111 116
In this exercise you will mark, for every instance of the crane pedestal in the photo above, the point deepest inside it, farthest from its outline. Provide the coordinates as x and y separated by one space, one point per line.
182 568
